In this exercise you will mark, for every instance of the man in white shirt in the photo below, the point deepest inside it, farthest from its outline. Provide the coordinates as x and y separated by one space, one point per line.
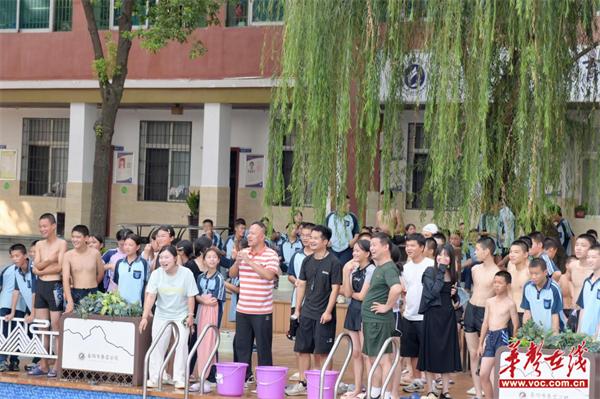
412 321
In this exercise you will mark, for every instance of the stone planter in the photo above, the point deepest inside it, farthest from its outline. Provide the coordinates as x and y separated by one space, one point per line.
103 349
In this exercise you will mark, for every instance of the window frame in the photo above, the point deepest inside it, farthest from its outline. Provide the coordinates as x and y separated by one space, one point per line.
32 30
52 145
171 147
250 18
113 26
411 152
592 158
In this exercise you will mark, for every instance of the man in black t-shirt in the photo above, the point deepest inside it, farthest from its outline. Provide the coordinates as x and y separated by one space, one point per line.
317 289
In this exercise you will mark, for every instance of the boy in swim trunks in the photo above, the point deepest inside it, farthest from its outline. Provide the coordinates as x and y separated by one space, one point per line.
483 289
499 310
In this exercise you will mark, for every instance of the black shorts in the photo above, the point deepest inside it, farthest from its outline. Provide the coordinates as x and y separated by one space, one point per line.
79 293
473 318
397 331
410 340
314 337
49 295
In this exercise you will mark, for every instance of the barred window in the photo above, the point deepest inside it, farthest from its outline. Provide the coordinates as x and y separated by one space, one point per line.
164 165
45 157
41 15
416 168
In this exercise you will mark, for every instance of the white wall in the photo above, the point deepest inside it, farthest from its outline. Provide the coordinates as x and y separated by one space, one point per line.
250 130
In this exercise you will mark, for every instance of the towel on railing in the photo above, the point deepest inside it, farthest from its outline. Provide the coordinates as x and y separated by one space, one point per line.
206 315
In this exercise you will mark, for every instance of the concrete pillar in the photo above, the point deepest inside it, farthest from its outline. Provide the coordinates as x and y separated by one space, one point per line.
81 164
216 142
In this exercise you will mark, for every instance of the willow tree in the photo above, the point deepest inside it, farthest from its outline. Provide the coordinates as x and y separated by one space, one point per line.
498 118
158 24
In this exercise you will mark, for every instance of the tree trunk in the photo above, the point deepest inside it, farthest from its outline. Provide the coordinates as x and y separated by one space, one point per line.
102 160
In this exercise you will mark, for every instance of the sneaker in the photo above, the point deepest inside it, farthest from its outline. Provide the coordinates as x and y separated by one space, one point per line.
196 387
30 366
250 381
37 371
13 367
3 367
52 373
415 386
430 395
445 395
151 384
179 385
472 391
296 390
167 379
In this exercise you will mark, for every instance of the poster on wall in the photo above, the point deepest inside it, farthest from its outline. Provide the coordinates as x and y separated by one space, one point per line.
254 170
8 164
124 168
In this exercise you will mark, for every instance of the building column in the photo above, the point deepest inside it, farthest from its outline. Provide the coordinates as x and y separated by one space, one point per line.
81 164
216 143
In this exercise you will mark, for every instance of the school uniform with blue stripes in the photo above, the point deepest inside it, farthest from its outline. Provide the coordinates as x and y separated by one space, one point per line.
543 303
589 301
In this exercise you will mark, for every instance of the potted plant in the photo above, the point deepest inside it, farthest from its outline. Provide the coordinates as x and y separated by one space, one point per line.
580 211
103 341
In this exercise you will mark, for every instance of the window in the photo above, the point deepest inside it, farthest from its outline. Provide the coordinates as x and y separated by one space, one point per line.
287 164
102 14
164 165
254 12
45 157
140 6
416 168
42 15
589 188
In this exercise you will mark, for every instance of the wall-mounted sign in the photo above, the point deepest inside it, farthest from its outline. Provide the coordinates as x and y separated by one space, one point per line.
414 76
254 170
124 168
8 164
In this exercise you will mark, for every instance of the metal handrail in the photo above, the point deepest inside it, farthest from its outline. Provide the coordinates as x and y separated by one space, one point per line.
390 374
186 393
329 359
173 325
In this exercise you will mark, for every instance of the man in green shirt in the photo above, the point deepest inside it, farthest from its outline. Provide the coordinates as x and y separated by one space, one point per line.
377 315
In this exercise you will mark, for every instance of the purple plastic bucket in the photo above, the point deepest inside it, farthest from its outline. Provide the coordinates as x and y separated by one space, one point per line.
312 383
270 382
230 378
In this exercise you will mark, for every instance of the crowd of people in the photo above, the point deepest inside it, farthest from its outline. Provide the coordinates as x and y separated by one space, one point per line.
424 289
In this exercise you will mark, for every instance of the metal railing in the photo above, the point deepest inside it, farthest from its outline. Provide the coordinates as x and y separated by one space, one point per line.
390 374
27 339
329 359
173 325
213 352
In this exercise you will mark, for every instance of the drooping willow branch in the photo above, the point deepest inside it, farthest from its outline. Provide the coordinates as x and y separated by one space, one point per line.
501 78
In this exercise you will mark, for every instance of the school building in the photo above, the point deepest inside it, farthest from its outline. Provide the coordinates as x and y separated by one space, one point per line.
184 125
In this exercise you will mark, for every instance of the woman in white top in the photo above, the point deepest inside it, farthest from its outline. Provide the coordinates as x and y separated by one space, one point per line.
173 289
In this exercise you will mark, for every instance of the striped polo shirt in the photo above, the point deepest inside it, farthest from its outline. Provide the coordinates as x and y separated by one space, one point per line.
256 293
589 301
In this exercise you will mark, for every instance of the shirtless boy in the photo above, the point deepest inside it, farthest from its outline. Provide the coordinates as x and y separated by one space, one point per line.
389 222
518 267
566 288
580 270
483 289
499 310
47 267
82 268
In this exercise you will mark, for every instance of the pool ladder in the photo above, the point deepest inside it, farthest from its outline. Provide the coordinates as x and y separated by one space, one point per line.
171 351
213 352
390 374
329 359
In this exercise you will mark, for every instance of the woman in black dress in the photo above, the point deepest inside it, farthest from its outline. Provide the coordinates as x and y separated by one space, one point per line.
440 351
